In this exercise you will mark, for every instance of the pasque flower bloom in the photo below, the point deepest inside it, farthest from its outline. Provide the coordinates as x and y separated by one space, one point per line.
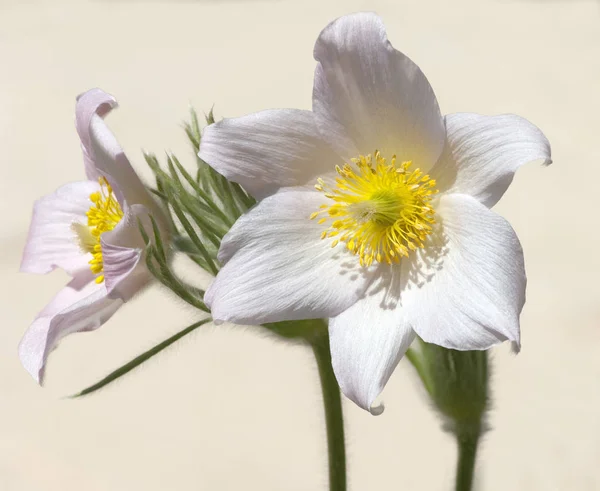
91 230
374 212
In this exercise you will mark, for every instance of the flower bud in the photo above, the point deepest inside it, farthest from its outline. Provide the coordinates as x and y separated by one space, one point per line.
457 382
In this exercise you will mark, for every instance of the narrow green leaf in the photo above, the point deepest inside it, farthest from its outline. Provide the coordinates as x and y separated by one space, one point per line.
138 360
210 117
152 162
187 293
214 232
158 194
185 223
207 199
143 232
195 126
157 239
243 197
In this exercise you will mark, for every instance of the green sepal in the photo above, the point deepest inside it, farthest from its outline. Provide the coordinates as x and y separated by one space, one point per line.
301 329
457 383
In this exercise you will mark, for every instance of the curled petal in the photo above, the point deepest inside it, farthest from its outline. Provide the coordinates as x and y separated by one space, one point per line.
89 104
103 154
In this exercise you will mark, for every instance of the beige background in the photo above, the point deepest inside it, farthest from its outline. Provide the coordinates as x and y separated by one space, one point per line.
230 408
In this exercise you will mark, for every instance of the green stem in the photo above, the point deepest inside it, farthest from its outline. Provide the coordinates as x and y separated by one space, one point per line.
465 468
332 404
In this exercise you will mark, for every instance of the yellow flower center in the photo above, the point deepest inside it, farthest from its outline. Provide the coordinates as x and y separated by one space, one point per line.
380 210
103 216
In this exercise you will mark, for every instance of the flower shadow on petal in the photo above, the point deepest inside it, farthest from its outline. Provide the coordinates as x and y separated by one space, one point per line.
350 266
413 272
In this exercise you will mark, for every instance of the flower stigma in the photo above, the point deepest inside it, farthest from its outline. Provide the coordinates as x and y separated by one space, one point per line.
381 210
103 216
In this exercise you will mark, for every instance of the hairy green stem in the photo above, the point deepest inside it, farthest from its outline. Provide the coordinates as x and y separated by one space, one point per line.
457 382
332 404
465 467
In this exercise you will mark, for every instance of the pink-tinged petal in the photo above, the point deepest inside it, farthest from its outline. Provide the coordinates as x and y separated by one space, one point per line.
268 150
277 267
82 305
120 263
483 153
52 241
368 340
368 96
103 154
465 290
91 103
122 251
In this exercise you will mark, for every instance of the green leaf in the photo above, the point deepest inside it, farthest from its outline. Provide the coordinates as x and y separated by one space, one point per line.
210 117
138 360
193 236
188 293
157 239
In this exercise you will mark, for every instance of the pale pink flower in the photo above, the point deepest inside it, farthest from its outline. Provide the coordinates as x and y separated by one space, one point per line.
90 229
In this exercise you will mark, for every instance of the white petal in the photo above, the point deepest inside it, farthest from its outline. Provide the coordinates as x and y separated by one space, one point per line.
268 150
483 153
52 242
368 96
277 267
368 340
82 305
466 289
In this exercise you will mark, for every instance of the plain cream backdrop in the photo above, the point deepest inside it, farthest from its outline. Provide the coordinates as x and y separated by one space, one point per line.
230 408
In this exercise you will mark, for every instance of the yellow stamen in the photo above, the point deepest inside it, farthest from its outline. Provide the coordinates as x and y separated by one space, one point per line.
383 210
103 216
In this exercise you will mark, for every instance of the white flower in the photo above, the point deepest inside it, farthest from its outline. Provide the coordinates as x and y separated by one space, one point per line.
374 212
90 229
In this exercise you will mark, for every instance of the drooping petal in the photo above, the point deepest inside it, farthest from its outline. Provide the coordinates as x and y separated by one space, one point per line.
102 153
277 267
52 241
268 150
483 153
91 103
368 96
82 305
368 340
465 290
122 250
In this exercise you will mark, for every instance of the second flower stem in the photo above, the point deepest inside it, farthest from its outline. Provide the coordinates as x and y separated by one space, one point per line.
465 467
332 403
